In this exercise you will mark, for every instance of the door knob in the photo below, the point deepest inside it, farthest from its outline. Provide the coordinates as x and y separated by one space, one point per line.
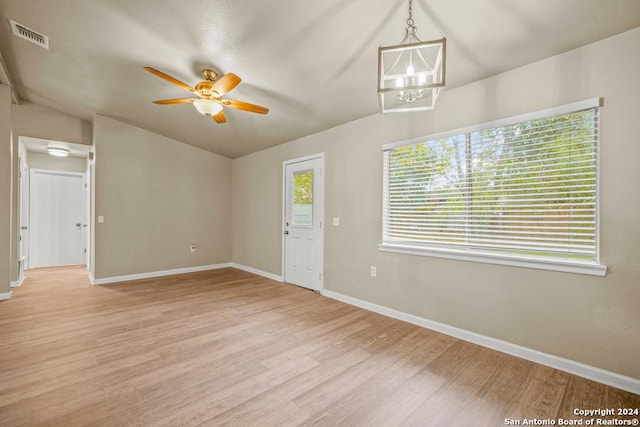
78 224
286 231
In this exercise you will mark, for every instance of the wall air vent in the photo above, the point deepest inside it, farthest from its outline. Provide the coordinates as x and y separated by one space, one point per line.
29 35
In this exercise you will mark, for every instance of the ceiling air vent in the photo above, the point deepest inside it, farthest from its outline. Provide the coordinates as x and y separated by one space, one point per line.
29 35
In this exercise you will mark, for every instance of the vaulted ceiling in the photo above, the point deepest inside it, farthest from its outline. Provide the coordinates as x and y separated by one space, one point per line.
313 63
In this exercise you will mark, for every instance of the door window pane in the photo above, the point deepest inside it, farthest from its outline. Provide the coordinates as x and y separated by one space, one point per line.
302 213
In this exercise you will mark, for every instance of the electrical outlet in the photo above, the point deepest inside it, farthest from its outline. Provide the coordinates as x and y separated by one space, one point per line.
193 247
336 221
374 271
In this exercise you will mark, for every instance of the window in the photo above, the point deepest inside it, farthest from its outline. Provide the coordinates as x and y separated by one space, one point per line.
302 199
523 189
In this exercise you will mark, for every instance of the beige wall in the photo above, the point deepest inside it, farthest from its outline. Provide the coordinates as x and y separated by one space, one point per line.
37 160
584 318
5 188
41 122
157 196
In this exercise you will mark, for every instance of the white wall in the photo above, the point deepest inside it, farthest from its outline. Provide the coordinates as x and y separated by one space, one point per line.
588 319
37 160
157 196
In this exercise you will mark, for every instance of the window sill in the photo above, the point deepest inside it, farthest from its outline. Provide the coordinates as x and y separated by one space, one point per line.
579 267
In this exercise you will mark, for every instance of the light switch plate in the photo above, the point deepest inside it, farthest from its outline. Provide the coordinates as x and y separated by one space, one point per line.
336 220
100 219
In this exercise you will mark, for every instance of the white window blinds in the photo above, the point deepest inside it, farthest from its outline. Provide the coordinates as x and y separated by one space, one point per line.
528 188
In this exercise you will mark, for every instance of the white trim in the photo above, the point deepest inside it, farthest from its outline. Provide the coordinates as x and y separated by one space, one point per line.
597 213
5 296
262 273
304 159
540 114
125 278
555 264
18 282
576 368
57 172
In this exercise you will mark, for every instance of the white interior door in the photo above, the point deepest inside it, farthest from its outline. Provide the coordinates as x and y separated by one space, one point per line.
304 210
56 218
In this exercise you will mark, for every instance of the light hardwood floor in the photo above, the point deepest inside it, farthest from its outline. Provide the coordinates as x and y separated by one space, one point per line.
226 347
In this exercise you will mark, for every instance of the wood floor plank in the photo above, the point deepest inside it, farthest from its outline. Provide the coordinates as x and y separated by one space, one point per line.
226 347
495 397
394 390
578 391
465 369
542 394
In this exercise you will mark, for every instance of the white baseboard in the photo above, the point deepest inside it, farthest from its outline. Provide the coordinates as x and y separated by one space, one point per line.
18 282
586 371
5 296
258 272
126 278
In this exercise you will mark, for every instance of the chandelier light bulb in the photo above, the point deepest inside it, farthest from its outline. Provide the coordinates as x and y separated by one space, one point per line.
410 70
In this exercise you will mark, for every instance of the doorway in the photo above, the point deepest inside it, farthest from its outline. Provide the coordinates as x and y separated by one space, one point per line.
303 242
57 224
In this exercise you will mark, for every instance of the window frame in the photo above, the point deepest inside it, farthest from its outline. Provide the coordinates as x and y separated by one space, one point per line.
506 258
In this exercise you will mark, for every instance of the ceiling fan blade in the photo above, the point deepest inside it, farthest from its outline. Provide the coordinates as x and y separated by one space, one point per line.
226 84
245 106
220 118
170 79
175 101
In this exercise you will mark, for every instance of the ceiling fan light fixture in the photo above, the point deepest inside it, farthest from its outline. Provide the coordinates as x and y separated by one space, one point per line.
210 91
207 107
58 151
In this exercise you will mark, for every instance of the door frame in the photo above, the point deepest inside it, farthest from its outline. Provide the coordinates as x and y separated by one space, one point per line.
87 216
319 156
23 216
85 195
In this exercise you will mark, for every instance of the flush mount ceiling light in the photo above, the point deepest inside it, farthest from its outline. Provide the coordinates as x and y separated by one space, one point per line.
58 151
411 74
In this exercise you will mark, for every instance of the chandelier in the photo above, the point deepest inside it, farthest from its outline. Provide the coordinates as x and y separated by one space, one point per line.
412 73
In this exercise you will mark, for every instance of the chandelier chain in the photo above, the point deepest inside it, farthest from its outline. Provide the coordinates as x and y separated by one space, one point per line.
410 23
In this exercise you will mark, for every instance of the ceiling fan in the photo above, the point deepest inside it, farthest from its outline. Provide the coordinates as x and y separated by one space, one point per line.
210 92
